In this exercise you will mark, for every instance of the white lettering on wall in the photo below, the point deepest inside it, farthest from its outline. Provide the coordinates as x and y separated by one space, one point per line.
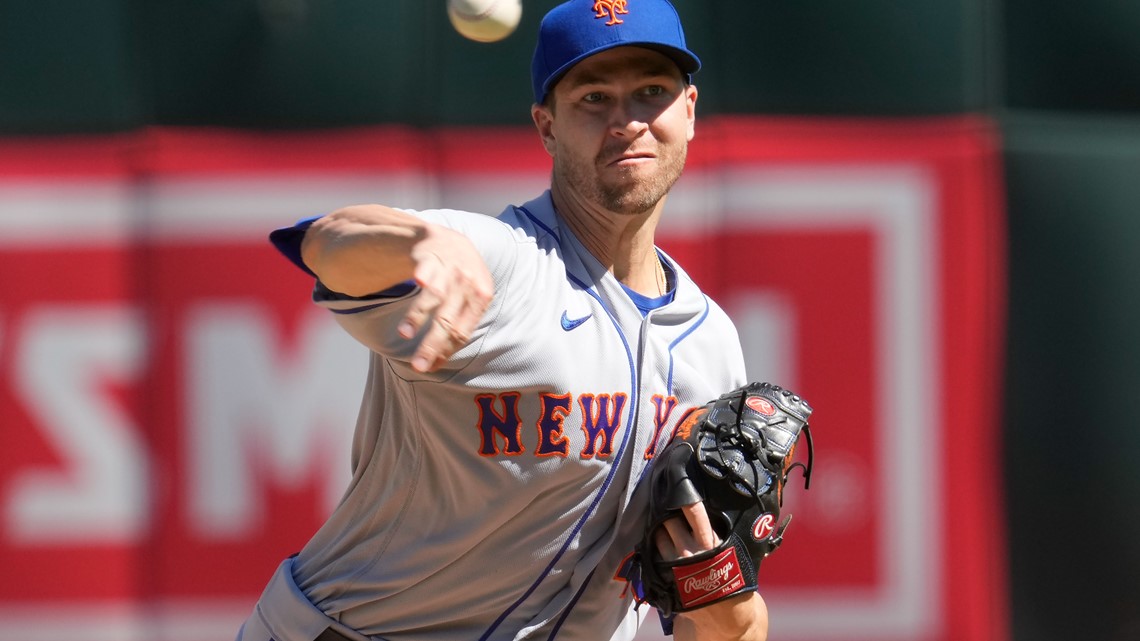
260 411
766 322
66 359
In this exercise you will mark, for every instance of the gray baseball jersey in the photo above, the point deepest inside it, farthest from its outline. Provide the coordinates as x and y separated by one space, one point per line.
498 498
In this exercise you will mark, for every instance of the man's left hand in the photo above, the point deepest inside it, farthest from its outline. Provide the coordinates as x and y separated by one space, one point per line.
743 617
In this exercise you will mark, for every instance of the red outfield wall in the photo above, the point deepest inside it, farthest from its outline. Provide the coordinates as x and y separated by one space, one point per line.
176 416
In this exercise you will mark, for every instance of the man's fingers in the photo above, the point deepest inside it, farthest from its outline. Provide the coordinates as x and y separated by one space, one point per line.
665 545
478 292
454 295
429 275
698 520
680 537
453 321
419 313
441 341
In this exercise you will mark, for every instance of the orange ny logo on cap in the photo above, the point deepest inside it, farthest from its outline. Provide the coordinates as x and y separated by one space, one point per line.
611 8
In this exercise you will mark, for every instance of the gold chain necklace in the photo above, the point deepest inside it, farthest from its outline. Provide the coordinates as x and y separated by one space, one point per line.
662 281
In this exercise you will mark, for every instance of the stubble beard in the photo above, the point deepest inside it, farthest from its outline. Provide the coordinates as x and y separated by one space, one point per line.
630 194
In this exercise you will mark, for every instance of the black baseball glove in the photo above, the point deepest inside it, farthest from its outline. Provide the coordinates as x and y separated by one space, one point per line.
734 454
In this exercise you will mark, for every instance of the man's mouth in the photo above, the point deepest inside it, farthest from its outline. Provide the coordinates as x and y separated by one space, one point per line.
630 159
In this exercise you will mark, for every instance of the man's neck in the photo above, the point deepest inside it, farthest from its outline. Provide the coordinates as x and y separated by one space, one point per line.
622 243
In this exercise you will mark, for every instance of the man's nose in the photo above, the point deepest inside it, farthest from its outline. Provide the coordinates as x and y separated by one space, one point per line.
626 121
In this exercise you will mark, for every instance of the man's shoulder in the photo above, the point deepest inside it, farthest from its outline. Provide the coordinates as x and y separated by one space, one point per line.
533 220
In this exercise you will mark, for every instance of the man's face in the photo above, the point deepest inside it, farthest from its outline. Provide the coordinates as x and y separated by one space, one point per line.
618 127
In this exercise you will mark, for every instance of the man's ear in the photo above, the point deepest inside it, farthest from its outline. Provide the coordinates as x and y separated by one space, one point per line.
691 109
544 122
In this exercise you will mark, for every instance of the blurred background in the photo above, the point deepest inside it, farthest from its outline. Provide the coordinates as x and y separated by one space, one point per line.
1059 81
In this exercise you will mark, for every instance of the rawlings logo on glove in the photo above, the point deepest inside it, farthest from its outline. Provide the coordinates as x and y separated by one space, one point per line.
734 454
702 583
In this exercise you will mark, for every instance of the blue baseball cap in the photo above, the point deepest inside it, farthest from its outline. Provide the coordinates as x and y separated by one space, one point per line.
578 29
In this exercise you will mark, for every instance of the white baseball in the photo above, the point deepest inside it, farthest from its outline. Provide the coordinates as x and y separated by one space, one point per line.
484 20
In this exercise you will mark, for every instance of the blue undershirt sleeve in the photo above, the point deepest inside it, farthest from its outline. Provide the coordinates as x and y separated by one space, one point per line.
287 240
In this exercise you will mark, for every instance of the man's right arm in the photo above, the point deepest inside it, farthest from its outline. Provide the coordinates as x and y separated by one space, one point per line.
364 249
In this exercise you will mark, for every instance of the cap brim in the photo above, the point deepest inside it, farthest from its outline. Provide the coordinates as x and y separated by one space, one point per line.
685 60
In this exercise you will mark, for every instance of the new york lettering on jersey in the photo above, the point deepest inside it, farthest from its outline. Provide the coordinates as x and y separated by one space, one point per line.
599 415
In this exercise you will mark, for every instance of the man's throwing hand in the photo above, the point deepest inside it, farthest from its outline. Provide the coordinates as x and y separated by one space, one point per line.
365 249
456 290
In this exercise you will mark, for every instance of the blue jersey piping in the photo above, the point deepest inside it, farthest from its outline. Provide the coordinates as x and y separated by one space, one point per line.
613 467
570 606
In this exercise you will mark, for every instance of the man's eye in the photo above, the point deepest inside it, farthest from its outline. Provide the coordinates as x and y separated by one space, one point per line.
661 91
594 96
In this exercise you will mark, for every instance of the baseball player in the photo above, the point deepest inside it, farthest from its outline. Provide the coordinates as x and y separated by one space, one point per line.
525 369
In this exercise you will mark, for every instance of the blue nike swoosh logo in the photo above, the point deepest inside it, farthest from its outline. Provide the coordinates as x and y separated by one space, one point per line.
570 323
